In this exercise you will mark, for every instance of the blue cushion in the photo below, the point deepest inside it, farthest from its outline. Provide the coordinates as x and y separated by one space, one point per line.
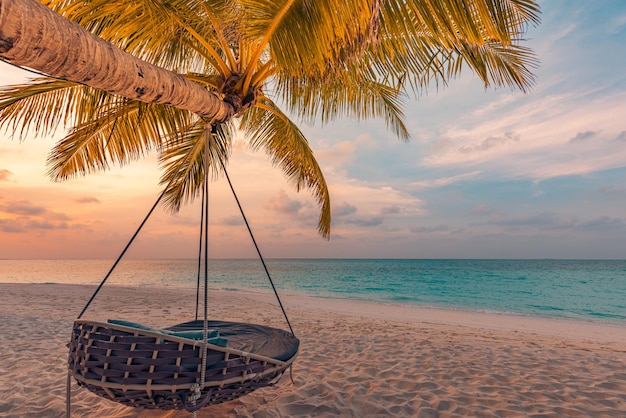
193 334
131 324
213 335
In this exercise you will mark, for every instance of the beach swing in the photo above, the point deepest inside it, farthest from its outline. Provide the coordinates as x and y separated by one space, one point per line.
185 366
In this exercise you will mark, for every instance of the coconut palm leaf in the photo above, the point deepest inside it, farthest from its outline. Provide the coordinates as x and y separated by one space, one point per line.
119 134
423 41
45 103
500 65
133 25
270 129
341 97
322 59
306 36
184 160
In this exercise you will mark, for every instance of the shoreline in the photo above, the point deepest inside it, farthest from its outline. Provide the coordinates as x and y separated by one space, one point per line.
357 359
415 314
568 289
409 313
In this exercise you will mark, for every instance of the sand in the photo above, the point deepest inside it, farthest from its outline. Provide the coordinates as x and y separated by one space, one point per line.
358 359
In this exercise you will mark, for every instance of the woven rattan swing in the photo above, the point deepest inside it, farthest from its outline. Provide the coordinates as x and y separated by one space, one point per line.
186 366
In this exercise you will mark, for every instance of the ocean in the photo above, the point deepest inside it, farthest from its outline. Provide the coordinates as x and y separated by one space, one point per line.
592 290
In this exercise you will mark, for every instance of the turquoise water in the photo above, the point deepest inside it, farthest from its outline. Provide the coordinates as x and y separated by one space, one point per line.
577 289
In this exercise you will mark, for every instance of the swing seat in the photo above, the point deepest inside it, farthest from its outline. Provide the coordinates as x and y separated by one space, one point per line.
151 368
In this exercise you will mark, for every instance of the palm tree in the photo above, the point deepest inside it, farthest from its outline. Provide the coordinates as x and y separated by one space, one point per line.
174 75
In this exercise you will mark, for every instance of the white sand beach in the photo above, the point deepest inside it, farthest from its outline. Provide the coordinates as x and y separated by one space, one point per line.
357 359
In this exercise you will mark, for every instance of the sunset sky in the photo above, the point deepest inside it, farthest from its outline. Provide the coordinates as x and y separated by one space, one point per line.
486 174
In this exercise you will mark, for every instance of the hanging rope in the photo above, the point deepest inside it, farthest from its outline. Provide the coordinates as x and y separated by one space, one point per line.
258 251
205 327
68 393
124 251
203 250
132 239
196 389
200 253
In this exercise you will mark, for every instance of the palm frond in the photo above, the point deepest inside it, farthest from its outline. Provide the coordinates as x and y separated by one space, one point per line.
184 160
309 34
424 40
417 43
324 59
153 30
268 128
122 133
225 31
501 65
346 95
45 104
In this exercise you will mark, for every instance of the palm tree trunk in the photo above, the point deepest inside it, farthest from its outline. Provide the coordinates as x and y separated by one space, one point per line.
33 36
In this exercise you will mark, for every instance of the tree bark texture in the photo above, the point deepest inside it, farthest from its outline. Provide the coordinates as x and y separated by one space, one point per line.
33 36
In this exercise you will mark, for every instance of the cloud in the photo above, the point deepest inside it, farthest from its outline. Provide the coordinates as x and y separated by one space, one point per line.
179 219
22 207
338 154
372 200
233 220
551 115
283 204
10 226
35 224
441 145
559 34
344 209
495 105
547 220
490 142
365 221
603 223
583 136
430 229
57 216
483 210
25 216
25 224
88 200
616 24
621 136
390 210
444 181
612 192
543 220
5 175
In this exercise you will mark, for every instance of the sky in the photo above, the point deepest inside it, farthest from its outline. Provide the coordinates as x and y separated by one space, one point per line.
487 173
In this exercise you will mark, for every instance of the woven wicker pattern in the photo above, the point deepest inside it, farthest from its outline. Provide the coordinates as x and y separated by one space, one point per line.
148 369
